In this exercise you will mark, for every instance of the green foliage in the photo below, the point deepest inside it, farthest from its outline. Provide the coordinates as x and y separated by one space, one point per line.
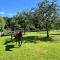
45 15
2 23
24 19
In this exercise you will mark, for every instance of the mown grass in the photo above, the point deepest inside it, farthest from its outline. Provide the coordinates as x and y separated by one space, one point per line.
35 47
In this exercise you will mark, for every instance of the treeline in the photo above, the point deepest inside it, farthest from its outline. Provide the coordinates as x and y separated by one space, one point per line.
44 17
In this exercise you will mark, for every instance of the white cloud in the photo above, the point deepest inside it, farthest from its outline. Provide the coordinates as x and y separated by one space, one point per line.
6 14
2 13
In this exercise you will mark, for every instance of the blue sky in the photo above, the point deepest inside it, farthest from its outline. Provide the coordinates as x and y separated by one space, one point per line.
11 7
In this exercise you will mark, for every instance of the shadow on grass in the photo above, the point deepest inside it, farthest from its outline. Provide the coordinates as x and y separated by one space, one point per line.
8 44
7 41
28 39
36 38
9 47
54 34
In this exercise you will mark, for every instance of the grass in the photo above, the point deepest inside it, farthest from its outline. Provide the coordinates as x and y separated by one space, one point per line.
35 47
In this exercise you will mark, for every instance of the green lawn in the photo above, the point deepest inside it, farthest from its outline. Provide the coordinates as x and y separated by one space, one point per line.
35 47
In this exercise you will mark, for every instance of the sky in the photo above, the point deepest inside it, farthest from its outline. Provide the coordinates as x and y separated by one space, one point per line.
11 7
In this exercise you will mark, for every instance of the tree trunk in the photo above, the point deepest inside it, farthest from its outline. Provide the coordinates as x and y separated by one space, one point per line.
47 30
47 33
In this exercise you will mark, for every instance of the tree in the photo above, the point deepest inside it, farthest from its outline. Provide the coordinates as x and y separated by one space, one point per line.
46 14
13 24
2 23
24 19
8 22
